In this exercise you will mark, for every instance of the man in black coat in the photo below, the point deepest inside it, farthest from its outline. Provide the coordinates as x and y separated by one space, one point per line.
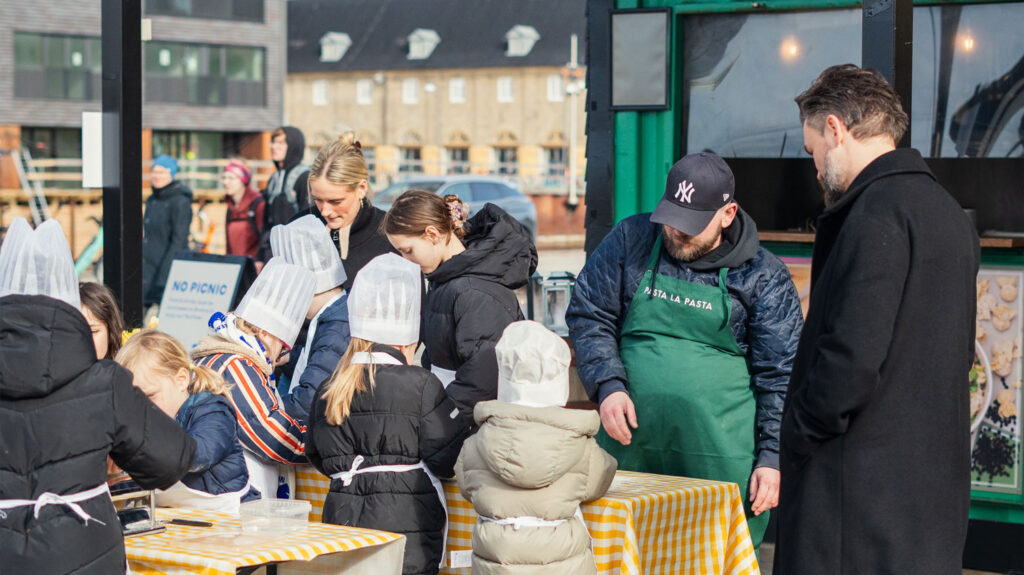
875 434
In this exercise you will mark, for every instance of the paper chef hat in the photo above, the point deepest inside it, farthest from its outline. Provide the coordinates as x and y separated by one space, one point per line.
38 262
307 243
533 366
278 300
384 305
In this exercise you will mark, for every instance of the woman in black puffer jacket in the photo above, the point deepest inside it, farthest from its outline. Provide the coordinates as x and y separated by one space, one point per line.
379 410
62 412
472 271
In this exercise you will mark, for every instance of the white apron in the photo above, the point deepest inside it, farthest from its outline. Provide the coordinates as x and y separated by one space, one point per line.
445 375
300 364
347 476
262 476
182 496
72 501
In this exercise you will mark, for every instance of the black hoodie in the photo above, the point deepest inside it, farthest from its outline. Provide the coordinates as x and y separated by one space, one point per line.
739 245
470 302
284 200
165 231
61 413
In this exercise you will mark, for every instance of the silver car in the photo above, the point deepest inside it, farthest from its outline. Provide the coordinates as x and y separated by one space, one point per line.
474 190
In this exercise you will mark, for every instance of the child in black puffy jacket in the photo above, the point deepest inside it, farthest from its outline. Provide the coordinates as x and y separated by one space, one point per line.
383 429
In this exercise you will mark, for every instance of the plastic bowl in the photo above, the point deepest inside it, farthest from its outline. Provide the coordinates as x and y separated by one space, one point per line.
274 515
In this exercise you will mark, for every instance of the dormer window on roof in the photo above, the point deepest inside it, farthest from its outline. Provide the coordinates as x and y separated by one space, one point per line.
333 46
520 40
422 42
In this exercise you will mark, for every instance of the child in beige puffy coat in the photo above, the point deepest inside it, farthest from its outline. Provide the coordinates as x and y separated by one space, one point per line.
532 463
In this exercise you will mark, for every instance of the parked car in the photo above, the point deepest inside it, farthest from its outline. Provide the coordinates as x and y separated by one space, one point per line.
474 190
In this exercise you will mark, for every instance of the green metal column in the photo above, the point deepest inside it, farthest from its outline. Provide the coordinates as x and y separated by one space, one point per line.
648 143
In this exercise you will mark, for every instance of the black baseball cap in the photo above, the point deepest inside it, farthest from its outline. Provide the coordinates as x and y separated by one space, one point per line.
698 186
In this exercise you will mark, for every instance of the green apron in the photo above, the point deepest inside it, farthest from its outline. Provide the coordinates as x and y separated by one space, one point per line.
689 382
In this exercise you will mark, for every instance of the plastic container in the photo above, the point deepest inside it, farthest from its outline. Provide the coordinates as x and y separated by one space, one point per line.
274 515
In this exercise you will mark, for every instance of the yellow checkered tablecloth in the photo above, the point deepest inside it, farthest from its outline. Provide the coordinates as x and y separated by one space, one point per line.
222 549
649 524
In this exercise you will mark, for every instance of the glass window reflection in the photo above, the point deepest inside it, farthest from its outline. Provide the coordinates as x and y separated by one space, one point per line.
742 72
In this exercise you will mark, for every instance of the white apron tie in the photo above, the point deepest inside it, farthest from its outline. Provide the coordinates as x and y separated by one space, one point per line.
48 498
531 521
347 476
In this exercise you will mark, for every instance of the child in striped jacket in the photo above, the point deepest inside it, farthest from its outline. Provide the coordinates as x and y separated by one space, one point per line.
244 350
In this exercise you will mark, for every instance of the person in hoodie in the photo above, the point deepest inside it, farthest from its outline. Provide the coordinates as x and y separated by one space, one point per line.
62 412
305 242
472 269
685 330
287 191
165 226
382 428
197 398
532 463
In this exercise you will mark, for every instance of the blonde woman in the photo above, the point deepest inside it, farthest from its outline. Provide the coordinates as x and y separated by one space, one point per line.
383 428
339 189
197 398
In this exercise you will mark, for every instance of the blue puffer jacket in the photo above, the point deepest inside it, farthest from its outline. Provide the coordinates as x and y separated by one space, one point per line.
329 343
766 317
218 465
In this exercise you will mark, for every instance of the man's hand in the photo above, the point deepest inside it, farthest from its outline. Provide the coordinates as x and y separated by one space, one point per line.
764 489
616 410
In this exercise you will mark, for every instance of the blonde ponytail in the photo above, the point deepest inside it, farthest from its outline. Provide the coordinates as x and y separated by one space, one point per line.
202 378
346 381
163 354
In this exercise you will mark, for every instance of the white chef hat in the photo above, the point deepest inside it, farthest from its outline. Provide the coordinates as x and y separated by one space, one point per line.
533 366
278 300
384 305
306 242
38 262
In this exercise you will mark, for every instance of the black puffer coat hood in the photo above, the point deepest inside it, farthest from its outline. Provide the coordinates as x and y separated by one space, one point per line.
296 148
61 413
498 249
45 347
406 418
470 302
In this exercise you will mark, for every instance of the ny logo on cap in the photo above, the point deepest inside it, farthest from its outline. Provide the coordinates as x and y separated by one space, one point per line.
685 192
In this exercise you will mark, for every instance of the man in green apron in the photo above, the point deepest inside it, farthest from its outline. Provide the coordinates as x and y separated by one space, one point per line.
685 330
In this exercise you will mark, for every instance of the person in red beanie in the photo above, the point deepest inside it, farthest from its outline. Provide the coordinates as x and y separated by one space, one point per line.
244 224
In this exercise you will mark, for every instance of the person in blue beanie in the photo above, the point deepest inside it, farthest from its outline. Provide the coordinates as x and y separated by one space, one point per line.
165 227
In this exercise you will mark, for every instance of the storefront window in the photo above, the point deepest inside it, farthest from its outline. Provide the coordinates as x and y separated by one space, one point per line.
968 84
742 71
